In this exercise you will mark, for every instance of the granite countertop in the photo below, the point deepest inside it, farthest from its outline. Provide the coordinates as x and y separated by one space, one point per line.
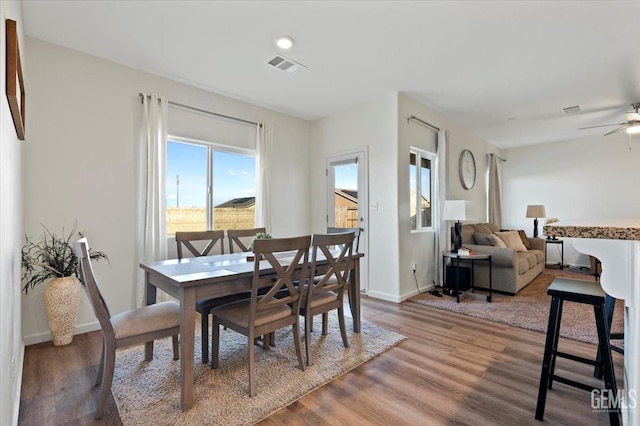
610 230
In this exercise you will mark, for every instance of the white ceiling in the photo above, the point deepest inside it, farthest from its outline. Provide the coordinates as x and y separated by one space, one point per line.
502 69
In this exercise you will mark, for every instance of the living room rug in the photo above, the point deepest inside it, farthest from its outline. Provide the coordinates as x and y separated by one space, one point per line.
149 392
529 308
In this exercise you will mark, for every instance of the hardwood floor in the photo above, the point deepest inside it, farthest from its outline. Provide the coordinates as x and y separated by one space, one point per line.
452 369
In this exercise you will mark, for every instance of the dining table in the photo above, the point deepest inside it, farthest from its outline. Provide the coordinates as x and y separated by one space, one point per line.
616 244
192 279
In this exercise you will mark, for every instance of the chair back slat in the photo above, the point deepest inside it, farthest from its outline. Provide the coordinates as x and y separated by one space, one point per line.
239 239
338 265
290 269
356 233
87 277
186 239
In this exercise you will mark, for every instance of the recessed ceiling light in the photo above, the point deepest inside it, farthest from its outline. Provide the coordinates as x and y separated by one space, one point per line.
284 42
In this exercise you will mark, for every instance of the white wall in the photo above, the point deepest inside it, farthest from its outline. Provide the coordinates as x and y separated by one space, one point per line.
415 247
84 118
418 247
595 178
11 231
381 125
372 124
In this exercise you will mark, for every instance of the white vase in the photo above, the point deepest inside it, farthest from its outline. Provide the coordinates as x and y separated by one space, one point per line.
61 302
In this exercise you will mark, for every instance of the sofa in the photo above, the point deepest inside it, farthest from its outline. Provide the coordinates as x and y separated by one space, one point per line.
512 269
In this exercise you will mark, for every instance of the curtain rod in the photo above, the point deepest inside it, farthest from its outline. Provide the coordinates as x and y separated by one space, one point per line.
141 95
498 157
424 123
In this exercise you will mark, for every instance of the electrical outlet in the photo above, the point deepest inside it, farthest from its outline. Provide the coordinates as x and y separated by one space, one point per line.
413 266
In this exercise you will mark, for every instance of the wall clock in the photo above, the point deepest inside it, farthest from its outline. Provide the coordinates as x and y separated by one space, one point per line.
467 168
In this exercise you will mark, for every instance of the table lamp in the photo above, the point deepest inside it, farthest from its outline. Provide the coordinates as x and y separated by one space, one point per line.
535 211
456 210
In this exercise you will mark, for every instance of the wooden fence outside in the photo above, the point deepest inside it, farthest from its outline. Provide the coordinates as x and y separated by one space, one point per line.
195 219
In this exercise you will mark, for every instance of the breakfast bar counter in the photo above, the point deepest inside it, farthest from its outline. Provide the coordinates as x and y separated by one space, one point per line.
616 243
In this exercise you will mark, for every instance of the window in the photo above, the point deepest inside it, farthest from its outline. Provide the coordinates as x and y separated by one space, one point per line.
209 186
421 182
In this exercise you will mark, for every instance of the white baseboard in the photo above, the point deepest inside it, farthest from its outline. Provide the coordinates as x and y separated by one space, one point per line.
415 292
17 390
397 298
87 327
46 336
384 296
577 266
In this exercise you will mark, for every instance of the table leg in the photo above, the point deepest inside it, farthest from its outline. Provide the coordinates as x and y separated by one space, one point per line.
187 341
472 284
444 274
354 295
350 291
490 280
150 299
562 256
457 280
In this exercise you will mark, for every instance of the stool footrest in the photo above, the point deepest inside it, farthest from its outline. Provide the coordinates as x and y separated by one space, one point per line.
578 359
573 383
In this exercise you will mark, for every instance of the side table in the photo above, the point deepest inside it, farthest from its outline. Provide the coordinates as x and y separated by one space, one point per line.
471 257
561 242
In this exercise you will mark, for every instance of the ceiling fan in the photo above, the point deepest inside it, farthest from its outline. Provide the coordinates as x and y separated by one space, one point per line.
632 125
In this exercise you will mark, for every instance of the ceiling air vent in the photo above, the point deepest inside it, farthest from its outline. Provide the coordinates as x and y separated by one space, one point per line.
571 110
286 64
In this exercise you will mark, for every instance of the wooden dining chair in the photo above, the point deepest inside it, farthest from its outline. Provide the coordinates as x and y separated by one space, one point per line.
240 239
265 313
325 292
356 233
356 248
186 239
128 328
208 239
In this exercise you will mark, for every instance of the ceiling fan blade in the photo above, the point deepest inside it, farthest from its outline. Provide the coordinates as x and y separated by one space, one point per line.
618 129
604 125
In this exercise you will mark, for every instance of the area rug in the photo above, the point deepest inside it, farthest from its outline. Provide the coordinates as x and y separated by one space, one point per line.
529 308
149 392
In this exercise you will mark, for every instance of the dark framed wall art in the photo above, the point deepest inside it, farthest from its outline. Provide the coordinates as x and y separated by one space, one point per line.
15 82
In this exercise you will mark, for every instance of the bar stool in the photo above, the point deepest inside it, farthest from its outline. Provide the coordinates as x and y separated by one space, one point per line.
609 306
579 291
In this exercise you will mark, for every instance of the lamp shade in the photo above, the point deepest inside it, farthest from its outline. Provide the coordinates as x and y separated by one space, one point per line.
456 210
536 211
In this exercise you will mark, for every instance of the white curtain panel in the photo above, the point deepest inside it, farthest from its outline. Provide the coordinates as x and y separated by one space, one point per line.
264 136
495 199
151 201
442 237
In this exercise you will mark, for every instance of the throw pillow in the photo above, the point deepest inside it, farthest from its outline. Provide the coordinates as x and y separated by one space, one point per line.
512 240
481 239
482 228
525 239
496 241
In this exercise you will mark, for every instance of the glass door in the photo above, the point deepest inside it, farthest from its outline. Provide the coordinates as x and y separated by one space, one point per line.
347 200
